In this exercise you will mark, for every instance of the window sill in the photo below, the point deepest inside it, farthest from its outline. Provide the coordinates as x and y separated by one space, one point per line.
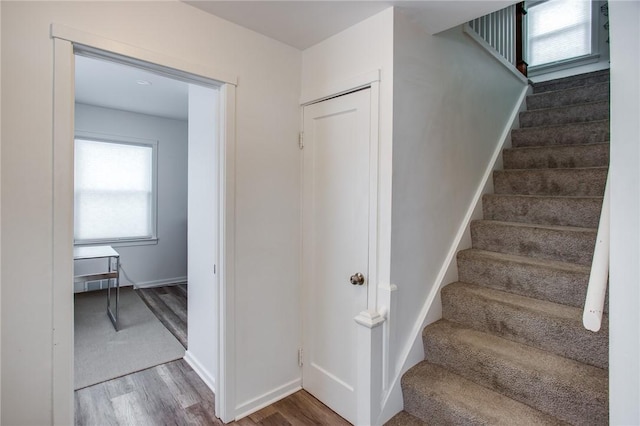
562 65
118 243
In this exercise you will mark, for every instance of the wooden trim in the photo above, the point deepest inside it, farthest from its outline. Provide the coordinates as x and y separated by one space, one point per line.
63 133
336 88
90 42
521 65
62 238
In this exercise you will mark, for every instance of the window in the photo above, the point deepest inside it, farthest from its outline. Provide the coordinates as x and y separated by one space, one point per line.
558 30
115 191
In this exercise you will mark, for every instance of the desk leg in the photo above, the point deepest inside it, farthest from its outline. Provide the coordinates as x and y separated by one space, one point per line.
114 316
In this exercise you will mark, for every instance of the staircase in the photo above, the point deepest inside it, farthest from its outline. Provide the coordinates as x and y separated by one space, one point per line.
510 348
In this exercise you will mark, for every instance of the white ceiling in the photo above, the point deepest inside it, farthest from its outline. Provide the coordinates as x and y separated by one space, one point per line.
111 85
302 24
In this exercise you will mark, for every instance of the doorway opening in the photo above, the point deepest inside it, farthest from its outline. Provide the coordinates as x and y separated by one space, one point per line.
205 359
130 197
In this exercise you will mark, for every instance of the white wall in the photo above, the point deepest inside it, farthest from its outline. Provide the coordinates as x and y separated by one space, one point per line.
203 235
166 261
452 101
624 275
267 185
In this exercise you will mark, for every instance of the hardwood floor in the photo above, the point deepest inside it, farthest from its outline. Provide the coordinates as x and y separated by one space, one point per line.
173 394
170 393
169 304
301 408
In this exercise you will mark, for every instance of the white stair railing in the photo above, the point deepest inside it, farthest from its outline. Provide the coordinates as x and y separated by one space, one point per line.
499 30
599 277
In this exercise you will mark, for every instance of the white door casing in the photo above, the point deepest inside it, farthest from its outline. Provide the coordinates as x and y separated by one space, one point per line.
202 232
336 179
67 39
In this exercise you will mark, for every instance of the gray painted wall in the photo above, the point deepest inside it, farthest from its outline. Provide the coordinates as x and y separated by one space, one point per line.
166 261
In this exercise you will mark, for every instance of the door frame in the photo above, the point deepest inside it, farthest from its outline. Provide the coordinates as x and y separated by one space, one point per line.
65 41
372 345
314 95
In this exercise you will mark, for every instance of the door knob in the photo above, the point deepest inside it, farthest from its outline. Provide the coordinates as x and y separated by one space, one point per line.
357 279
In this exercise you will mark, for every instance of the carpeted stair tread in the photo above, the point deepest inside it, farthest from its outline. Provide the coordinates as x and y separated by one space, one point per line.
405 419
561 243
543 209
579 181
439 396
558 156
587 79
569 390
591 111
571 96
512 331
561 134
549 326
554 281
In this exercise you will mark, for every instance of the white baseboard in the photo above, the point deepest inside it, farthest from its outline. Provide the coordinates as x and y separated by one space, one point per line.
432 309
205 375
161 283
268 398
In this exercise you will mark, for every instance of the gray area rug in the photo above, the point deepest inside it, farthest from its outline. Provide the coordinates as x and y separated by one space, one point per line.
103 354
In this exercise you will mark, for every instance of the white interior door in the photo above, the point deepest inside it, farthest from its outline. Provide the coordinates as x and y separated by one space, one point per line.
335 244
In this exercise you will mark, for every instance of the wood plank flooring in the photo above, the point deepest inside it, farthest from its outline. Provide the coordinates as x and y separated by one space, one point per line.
170 393
173 394
169 304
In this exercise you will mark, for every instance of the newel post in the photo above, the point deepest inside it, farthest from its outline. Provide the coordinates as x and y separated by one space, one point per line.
521 65
369 374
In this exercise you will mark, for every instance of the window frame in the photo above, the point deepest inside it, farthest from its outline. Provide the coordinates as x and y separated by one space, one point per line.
549 67
125 140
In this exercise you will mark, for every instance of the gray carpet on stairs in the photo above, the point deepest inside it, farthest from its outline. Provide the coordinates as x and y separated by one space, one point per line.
511 348
557 156
562 134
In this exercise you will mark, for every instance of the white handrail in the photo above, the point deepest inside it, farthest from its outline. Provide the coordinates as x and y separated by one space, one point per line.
599 277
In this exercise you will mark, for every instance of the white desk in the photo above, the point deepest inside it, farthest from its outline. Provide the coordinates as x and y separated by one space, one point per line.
110 274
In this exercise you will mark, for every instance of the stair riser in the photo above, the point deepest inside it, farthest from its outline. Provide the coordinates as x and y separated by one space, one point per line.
581 212
539 282
433 409
566 134
438 396
572 82
592 155
561 335
404 419
597 92
572 114
568 245
575 404
588 182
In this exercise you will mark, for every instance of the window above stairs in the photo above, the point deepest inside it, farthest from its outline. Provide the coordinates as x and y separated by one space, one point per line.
562 34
